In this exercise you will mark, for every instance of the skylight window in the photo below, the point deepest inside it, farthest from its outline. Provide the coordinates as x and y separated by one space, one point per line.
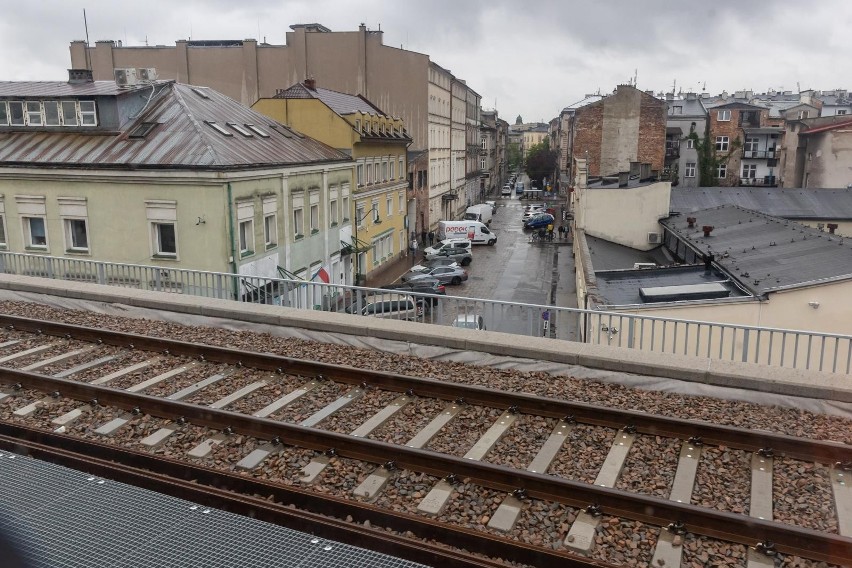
257 130
284 132
241 130
217 127
142 130
201 93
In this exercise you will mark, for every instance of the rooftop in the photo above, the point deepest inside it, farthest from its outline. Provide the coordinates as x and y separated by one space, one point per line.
623 287
765 253
341 103
606 255
828 204
178 126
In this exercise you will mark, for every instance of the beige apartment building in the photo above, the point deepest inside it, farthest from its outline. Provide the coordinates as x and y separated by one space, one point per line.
431 101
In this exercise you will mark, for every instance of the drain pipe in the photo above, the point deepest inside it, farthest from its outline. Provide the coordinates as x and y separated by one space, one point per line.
233 249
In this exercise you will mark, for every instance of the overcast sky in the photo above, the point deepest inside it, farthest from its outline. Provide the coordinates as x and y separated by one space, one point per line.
527 57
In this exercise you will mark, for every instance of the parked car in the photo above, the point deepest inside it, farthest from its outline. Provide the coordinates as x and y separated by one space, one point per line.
456 242
539 221
427 264
469 321
422 286
390 306
460 255
493 205
532 213
445 274
506 191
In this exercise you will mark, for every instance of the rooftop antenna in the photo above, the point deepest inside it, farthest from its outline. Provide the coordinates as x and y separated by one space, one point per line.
798 87
674 86
88 55
635 76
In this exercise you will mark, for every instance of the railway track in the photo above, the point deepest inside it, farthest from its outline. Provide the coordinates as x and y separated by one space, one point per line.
549 479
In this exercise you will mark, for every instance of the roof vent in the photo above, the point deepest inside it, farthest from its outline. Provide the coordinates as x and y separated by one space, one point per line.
707 230
311 84
832 227
691 222
76 76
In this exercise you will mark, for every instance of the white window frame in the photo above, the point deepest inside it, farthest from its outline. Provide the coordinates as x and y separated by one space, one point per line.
390 205
246 237
804 114
690 143
360 214
315 218
51 105
270 230
722 143
67 223
392 170
401 202
751 144
402 168
722 171
369 179
384 170
359 174
4 114
68 109
28 232
34 113
346 209
842 111
374 211
156 239
298 222
689 170
23 111
723 115
88 113
333 213
749 171
3 241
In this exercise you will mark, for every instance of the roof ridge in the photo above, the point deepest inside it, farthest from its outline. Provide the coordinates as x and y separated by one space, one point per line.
202 133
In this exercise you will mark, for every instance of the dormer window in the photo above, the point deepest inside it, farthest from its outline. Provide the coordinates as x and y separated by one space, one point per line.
217 127
69 113
51 113
16 113
88 117
34 113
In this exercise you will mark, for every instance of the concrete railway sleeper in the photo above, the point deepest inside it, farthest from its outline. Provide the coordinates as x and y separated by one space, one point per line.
596 500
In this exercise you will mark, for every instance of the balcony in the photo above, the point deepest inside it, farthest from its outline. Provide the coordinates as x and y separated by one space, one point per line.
759 154
766 181
672 152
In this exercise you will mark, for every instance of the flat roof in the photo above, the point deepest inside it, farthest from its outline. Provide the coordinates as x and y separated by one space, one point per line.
828 204
623 287
606 255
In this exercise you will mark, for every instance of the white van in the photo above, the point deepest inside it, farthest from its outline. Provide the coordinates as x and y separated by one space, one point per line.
477 232
481 212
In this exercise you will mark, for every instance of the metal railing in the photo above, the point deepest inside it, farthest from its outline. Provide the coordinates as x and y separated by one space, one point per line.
779 347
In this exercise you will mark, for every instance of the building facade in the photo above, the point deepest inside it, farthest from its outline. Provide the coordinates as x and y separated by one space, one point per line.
402 83
686 116
818 153
378 143
164 174
746 144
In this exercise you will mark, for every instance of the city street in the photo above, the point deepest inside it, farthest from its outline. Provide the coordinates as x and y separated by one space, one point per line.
517 271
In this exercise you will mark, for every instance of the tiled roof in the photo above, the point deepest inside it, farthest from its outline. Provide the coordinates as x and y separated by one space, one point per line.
182 138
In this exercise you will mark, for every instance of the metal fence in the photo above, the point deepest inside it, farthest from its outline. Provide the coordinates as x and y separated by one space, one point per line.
778 347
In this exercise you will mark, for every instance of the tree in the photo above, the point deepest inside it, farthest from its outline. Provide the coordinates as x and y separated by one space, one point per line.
541 161
514 155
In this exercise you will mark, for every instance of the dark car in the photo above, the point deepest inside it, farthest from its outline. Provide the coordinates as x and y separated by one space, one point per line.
539 221
424 286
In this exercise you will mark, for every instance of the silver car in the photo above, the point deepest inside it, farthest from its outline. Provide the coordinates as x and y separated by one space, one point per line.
444 274
459 255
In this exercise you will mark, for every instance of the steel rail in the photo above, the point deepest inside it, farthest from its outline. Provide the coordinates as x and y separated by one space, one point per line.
650 424
731 527
318 514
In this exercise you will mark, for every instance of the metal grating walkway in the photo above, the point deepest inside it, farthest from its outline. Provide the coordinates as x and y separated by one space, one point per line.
61 517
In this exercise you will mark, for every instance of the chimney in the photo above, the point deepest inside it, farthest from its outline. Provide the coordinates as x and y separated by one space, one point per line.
311 84
669 96
623 179
635 168
832 227
691 96
645 171
707 230
362 27
691 222
77 76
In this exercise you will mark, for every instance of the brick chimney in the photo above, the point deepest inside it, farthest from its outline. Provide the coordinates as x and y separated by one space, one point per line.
623 179
832 227
707 230
691 222
311 84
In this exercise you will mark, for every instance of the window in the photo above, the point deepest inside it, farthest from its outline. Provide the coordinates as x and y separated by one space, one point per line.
256 130
484 144
722 171
51 113
246 237
332 206
751 144
723 115
359 174
722 143
690 143
677 109
314 219
369 173
690 170
401 202
4 114
392 173
374 213
69 113
270 230
88 117
481 163
240 129
76 235
2 231
345 208
298 222
376 172
358 124
749 171
840 111
360 214
804 114
384 171
16 113
165 239
401 167
34 113
390 206
35 232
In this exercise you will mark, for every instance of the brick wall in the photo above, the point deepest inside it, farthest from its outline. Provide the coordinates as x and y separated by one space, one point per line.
652 132
588 132
731 129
